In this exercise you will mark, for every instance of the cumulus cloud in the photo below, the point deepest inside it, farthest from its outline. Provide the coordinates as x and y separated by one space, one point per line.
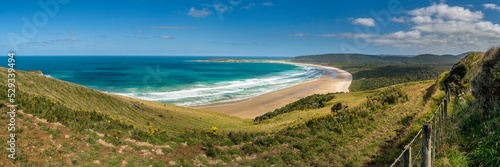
445 12
438 28
268 4
398 19
369 22
491 6
199 13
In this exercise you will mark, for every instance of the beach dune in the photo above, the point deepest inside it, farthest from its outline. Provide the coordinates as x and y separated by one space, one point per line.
333 80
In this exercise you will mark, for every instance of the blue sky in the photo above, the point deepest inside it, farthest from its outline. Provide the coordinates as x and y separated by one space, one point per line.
247 28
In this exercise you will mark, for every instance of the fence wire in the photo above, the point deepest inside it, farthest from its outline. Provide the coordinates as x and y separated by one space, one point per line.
436 122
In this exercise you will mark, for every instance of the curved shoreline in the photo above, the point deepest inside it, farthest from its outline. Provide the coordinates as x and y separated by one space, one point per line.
332 80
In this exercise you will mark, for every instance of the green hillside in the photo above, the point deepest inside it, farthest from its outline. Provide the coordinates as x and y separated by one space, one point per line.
473 134
133 111
58 118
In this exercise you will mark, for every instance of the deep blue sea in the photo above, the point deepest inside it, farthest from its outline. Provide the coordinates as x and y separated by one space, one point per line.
180 80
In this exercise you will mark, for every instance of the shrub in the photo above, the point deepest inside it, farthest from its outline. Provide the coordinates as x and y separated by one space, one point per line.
250 148
310 102
211 150
337 107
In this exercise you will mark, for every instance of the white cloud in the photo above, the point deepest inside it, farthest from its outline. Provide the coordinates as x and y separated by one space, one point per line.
328 35
346 35
404 35
369 22
445 12
235 2
199 13
398 19
268 4
248 6
438 28
166 37
298 35
422 19
354 35
491 6
221 8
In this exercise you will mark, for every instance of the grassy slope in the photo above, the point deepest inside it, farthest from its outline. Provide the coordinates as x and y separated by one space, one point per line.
173 117
33 151
315 143
81 98
178 119
473 134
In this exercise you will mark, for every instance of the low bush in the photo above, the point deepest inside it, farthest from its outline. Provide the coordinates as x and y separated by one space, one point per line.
309 102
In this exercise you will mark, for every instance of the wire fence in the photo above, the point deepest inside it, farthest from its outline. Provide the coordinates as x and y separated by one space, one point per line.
431 137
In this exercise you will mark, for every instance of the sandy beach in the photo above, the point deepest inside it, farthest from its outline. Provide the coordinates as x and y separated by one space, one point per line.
332 80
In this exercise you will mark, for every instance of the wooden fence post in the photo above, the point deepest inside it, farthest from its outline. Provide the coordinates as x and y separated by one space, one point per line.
434 141
440 115
407 157
426 145
448 92
445 109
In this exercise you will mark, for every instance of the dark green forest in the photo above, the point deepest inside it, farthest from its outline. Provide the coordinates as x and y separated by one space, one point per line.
310 102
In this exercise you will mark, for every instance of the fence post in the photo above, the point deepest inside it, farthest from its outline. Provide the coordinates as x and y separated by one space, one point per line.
434 140
445 109
440 115
426 145
407 157
448 93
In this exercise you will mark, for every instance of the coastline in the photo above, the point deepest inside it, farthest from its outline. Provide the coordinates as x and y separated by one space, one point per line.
332 80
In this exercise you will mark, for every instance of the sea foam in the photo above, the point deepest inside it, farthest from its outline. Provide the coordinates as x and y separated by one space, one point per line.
230 90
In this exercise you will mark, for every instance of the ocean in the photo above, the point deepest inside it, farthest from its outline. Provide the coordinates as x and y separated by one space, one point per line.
179 80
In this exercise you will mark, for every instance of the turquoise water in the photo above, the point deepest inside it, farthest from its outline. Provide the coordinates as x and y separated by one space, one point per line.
178 80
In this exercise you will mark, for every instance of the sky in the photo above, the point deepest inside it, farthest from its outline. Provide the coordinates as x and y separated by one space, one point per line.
284 28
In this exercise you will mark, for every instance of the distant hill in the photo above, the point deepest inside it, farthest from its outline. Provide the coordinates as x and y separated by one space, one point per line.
376 71
363 58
